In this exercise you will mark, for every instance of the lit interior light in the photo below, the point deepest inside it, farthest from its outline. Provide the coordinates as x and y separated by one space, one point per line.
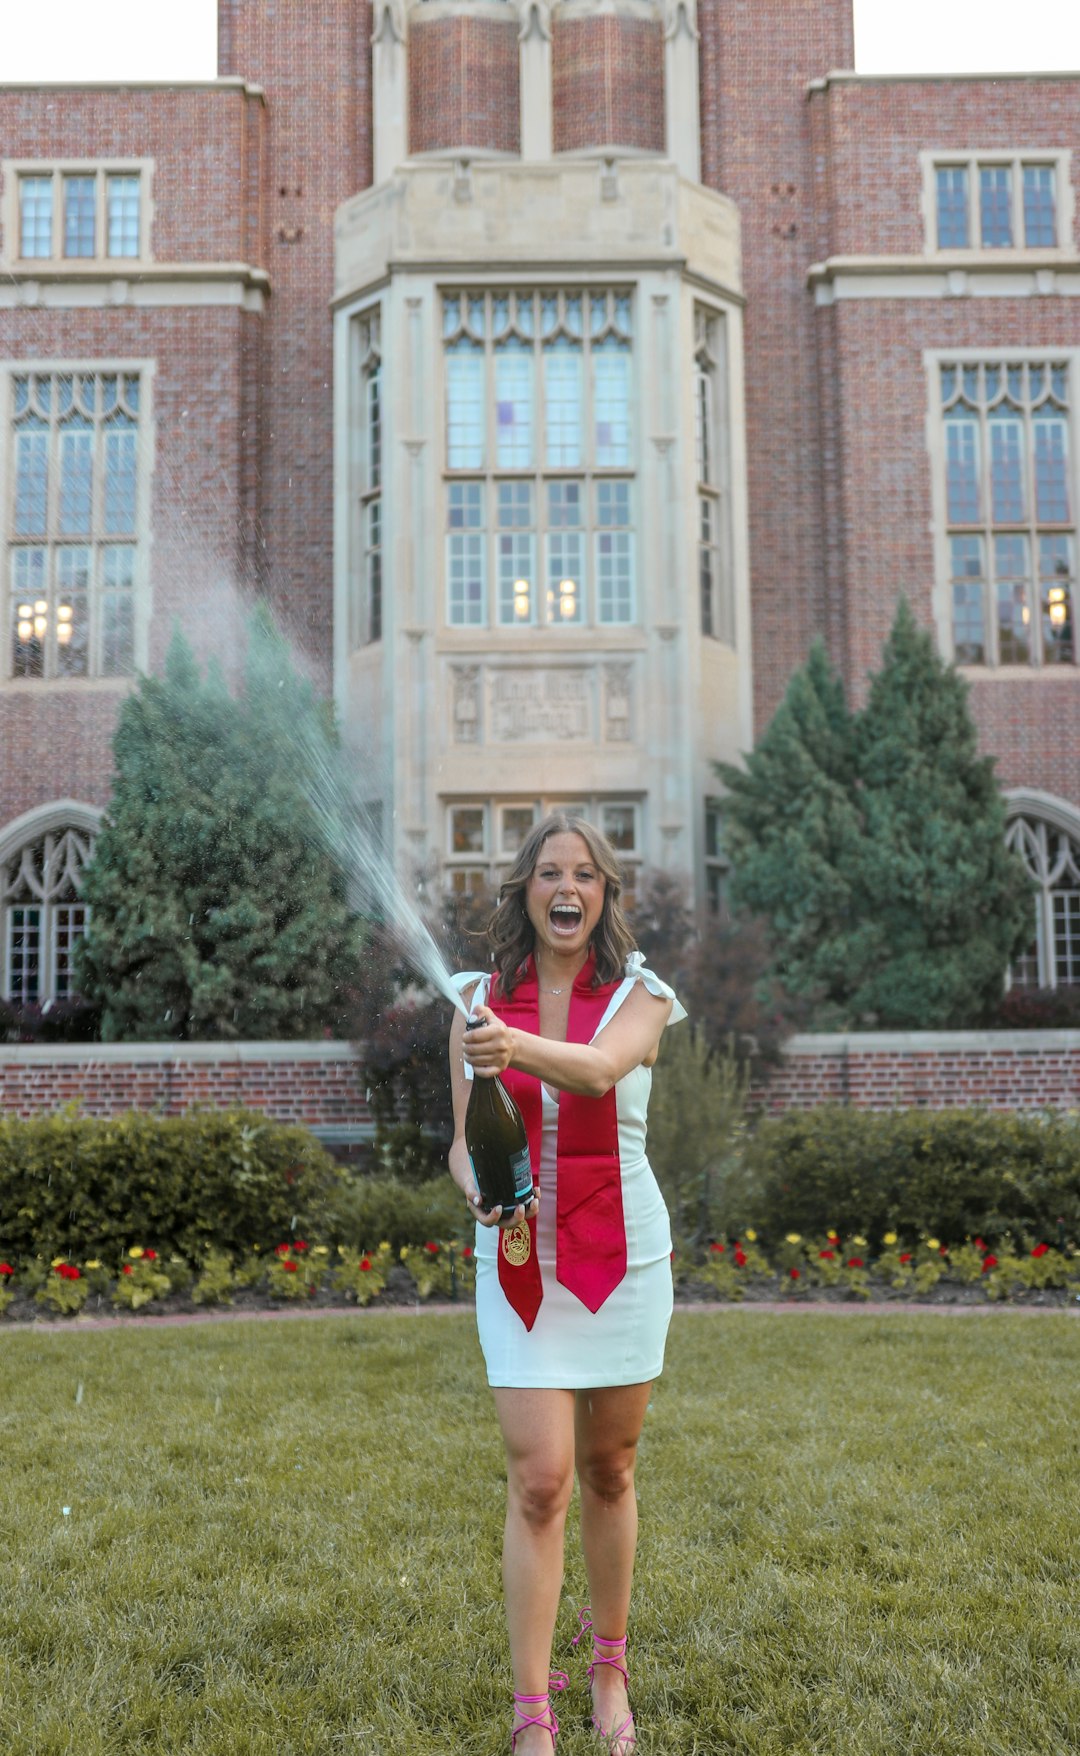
567 599
64 613
1025 615
25 610
25 630
41 623
41 608
1059 609
521 599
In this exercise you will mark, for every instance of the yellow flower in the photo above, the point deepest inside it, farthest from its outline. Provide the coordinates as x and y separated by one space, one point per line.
889 1238
794 1238
56 1261
834 1235
861 1241
750 1235
933 1243
136 1252
320 1250
94 1264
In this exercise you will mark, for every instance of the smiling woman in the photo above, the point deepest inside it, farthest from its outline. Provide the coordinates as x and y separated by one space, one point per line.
573 1290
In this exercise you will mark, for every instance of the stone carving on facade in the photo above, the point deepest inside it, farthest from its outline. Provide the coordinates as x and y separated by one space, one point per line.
534 20
618 703
466 685
541 707
388 21
680 15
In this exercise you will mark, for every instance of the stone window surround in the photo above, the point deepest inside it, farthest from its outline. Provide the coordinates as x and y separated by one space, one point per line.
1058 159
1056 815
933 359
144 469
13 170
24 832
494 863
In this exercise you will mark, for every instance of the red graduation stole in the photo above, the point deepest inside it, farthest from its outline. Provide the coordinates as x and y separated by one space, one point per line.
590 1237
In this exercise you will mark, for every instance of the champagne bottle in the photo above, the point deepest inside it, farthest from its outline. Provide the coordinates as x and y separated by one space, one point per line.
497 1143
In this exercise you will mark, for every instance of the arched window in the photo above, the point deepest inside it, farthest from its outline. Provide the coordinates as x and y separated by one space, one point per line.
1046 835
42 914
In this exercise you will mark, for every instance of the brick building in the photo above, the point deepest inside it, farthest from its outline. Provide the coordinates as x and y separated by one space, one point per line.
558 371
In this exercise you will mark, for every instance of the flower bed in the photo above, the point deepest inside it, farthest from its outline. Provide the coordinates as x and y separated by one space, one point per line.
827 1268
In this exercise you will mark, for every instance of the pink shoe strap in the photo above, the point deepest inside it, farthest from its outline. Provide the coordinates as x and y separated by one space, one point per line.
546 1717
614 1658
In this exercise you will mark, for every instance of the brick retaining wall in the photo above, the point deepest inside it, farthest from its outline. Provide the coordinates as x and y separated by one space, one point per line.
321 1083
933 1070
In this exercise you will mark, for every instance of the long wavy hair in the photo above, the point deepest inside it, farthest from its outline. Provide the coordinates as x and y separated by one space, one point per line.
510 931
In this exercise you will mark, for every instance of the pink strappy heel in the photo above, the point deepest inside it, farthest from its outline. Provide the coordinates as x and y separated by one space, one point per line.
546 1716
623 1741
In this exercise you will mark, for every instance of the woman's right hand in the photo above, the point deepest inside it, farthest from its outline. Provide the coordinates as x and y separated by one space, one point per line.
498 1216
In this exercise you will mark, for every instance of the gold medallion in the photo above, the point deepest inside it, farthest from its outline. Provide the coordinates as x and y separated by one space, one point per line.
517 1245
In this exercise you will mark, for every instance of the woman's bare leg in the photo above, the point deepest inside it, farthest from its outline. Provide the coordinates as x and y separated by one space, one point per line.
538 1431
607 1429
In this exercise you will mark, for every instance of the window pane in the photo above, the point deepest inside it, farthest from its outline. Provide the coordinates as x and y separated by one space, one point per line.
72 611
117 610
1066 905
120 476
611 372
953 231
76 476
464 406
614 553
968 597
467 829
35 216
374 429
31 477
995 203
29 611
69 925
962 466
619 824
80 196
24 955
122 209
465 554
562 398
1011 566
515 548
1040 218
517 821
1007 496
1057 598
373 550
513 405
1051 466
565 554
703 438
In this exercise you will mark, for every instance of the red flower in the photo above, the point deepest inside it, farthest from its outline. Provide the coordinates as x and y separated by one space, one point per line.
150 1255
290 1267
127 1269
365 1263
1040 1249
6 1268
989 1262
827 1255
432 1249
979 1245
68 1271
906 1257
466 1254
794 1273
281 1249
740 1256
300 1244
855 1262
718 1249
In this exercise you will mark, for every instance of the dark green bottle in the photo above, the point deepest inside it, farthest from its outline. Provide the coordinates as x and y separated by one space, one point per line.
497 1143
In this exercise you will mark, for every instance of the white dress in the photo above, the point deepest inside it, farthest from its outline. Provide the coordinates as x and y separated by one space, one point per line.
569 1347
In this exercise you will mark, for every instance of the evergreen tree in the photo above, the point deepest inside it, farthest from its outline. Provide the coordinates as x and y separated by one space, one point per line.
941 904
215 911
873 845
792 824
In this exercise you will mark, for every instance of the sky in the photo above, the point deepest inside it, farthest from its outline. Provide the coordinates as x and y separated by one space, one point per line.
138 39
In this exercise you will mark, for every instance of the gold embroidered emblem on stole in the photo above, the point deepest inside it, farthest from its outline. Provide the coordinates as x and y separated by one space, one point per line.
516 1245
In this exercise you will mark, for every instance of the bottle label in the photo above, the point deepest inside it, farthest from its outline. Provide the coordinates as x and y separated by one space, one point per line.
521 1164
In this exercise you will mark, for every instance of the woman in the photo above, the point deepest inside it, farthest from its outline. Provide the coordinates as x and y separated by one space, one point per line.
574 1293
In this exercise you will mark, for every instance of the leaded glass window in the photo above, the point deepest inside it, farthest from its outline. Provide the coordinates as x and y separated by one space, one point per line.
368 612
714 576
73 548
997 202
42 917
1052 857
1011 522
87 215
538 387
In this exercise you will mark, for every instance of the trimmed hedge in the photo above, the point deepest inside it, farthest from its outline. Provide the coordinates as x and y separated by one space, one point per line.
951 1174
84 1187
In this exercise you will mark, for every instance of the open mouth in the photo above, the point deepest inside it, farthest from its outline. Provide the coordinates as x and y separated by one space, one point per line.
565 917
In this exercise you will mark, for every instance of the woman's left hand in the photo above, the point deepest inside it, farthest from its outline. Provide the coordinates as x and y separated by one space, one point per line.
489 1048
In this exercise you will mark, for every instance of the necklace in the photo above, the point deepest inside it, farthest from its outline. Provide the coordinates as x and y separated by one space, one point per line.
553 990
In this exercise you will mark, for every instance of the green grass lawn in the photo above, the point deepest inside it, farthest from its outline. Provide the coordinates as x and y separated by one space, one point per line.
860 1535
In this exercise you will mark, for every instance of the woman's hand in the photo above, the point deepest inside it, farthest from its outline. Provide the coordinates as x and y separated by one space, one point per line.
488 1048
